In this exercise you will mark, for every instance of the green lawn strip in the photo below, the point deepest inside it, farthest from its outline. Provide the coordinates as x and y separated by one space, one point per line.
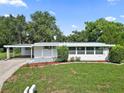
3 55
69 78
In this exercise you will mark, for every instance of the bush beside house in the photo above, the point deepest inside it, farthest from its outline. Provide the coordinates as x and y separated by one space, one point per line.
62 54
75 59
117 54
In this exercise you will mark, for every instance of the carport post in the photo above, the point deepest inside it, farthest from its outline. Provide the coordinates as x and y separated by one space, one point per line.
13 52
31 53
8 52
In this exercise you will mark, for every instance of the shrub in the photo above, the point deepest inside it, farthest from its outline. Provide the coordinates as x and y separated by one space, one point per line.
78 59
116 54
72 59
122 61
59 60
17 50
1 50
62 54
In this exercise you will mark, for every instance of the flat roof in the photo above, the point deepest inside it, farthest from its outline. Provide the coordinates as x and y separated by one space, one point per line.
18 46
73 44
68 44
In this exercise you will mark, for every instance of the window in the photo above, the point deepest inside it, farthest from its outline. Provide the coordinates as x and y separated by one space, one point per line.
99 50
27 48
80 50
90 50
47 47
72 50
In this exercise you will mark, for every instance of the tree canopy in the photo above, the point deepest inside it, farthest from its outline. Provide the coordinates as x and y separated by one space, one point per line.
11 29
104 31
100 31
43 28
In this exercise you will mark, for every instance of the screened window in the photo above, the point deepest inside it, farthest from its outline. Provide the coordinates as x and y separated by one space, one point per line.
47 47
27 48
90 50
80 50
99 50
72 50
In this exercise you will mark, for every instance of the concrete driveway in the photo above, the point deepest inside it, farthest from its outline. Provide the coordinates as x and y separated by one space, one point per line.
8 67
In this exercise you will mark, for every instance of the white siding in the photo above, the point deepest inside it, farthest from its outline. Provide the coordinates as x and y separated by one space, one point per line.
92 57
50 54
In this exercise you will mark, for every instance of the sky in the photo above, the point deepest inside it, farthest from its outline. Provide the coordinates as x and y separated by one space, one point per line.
70 14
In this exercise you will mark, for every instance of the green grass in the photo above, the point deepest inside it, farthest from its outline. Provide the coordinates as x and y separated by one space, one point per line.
71 78
3 55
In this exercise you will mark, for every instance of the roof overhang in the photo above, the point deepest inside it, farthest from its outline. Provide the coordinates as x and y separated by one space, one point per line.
73 44
68 44
19 46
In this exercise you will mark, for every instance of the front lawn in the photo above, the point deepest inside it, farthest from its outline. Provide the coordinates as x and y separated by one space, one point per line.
71 78
3 55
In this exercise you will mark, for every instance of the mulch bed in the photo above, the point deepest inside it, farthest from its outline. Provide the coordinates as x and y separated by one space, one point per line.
38 64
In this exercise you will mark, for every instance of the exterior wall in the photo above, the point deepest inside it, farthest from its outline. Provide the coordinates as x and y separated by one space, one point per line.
39 52
92 57
25 52
44 55
49 55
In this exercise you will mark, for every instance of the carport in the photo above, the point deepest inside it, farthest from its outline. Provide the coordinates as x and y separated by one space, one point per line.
23 48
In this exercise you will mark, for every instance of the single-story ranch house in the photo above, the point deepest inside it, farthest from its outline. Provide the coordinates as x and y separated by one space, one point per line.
47 51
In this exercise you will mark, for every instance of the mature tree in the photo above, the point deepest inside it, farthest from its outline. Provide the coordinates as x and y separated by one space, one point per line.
20 28
43 28
77 36
11 29
104 31
6 30
100 31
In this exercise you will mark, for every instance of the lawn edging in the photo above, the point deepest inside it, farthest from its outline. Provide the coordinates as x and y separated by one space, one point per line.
39 64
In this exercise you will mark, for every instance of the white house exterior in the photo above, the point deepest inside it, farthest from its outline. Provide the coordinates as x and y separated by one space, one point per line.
47 51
